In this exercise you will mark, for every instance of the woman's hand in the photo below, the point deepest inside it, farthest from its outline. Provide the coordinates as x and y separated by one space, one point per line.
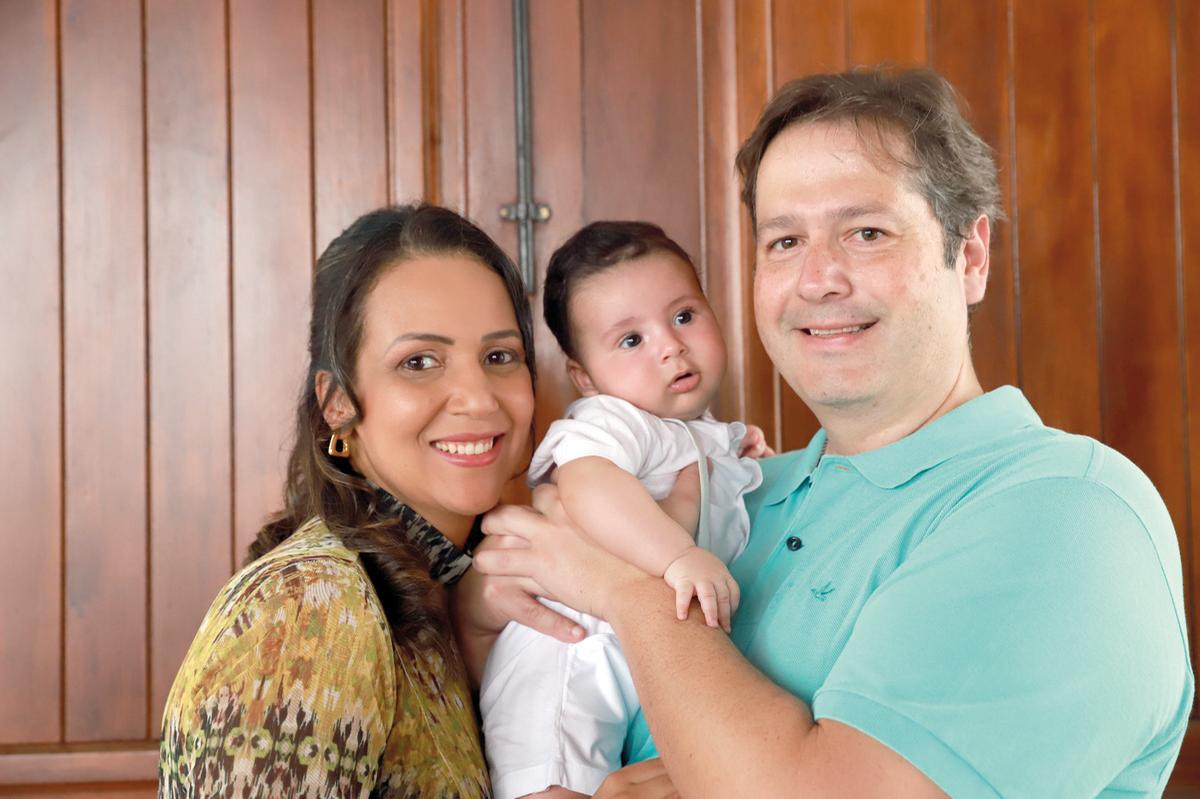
553 553
645 780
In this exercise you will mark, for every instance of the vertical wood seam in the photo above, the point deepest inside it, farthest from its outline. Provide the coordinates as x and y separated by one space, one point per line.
1187 544
848 32
701 123
1013 189
929 53
776 381
312 143
1097 260
62 386
460 60
429 31
147 366
229 283
388 143
584 214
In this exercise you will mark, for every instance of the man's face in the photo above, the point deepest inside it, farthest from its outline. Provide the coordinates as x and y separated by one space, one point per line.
853 299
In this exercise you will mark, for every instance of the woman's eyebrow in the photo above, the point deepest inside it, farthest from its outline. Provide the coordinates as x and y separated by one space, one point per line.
434 337
510 333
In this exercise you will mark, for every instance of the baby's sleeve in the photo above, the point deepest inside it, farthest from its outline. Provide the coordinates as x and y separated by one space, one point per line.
601 426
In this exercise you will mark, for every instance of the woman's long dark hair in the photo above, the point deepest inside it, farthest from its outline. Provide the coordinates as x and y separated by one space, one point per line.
319 485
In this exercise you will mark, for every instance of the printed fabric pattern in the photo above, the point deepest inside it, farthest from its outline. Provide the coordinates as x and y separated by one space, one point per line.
293 687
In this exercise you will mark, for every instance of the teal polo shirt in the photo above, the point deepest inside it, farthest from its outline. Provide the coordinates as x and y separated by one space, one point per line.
999 602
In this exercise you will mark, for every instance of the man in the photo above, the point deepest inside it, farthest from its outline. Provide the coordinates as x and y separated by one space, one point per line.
940 594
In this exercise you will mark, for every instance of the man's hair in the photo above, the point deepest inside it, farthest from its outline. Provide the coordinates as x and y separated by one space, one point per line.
951 165
593 249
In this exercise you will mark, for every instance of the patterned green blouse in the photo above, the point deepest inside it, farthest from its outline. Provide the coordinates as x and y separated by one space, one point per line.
293 688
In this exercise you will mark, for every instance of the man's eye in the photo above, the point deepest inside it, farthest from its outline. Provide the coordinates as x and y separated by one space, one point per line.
685 317
870 234
785 243
419 363
500 358
630 341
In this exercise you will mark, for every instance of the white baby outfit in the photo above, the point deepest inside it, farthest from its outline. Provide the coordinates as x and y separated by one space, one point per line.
555 713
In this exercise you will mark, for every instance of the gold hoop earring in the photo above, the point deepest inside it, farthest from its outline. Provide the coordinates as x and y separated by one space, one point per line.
338 446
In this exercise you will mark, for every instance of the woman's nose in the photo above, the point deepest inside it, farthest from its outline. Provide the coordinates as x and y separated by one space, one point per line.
472 393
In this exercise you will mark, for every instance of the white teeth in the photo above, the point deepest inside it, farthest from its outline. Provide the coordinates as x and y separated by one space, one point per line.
465 447
812 331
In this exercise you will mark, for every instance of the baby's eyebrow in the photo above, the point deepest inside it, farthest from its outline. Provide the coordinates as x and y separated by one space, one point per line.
626 322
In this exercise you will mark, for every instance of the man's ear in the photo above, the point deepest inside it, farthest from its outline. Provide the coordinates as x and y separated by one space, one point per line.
340 410
975 257
581 379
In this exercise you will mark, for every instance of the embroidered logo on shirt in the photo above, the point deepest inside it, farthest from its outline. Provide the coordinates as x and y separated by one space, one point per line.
822 593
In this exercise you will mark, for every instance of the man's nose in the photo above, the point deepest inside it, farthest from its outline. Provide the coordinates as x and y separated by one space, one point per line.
822 274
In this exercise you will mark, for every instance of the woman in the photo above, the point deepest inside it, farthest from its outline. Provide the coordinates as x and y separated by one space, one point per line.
327 666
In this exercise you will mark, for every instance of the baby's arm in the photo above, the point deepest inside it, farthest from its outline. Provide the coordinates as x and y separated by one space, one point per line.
615 510
683 503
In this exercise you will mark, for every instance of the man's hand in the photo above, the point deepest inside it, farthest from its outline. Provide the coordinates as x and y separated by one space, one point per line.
700 572
545 546
754 444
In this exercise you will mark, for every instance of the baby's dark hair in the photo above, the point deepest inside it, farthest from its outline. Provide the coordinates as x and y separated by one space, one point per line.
594 248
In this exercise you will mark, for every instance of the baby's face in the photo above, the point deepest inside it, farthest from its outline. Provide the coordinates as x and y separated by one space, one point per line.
645 333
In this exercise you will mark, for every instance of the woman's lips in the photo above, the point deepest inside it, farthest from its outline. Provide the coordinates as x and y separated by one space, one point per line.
469 450
684 383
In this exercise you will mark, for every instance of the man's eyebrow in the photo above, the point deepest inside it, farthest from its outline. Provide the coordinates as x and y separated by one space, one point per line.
510 333
852 211
781 221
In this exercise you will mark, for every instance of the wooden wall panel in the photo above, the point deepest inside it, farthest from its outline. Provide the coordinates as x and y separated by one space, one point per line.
557 78
981 75
807 38
105 370
1140 380
448 91
1187 22
188 285
1058 328
887 30
272 245
350 142
759 402
641 109
405 98
31 460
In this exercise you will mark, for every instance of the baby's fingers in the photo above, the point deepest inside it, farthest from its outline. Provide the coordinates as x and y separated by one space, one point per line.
725 608
683 598
707 594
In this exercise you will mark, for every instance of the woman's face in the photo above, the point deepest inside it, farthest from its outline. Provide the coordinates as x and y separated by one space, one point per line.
445 395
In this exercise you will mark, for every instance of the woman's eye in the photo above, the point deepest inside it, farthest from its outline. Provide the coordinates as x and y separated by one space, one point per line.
419 363
630 341
685 317
500 358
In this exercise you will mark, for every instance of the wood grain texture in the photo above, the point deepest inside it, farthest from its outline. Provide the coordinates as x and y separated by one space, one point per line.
1187 22
970 48
188 219
1058 327
64 768
448 93
1140 383
105 370
31 461
405 101
350 143
272 246
807 38
641 115
887 30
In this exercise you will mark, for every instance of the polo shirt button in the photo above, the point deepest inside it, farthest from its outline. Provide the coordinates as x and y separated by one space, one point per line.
794 543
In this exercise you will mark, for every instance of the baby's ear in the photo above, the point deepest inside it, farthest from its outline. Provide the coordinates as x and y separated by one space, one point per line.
579 376
340 410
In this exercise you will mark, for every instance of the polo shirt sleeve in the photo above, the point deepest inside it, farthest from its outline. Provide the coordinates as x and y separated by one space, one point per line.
1028 646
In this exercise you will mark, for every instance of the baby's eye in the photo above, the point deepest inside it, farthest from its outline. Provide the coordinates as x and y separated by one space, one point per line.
419 363
630 341
500 358
685 316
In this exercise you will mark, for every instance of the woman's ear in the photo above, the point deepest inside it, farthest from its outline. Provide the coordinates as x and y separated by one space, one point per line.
581 379
339 411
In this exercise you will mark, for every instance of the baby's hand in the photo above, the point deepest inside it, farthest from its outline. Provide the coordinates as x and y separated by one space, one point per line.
754 444
700 572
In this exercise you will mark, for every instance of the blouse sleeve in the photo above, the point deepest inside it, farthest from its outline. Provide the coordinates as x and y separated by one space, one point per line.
288 690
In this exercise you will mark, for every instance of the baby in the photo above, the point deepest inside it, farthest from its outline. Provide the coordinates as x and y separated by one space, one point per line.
645 471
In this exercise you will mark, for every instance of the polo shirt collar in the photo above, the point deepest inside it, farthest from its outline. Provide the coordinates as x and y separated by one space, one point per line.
986 418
